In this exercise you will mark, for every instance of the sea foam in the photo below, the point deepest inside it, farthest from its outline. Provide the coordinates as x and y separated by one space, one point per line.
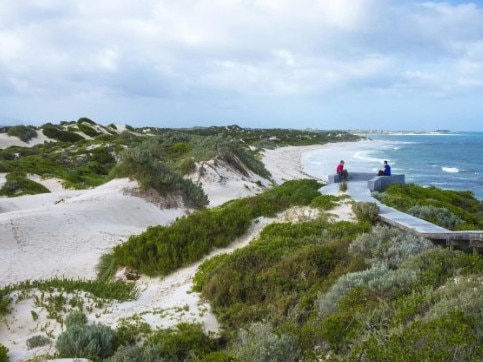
450 169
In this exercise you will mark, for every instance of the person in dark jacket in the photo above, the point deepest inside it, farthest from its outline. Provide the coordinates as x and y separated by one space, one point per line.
386 171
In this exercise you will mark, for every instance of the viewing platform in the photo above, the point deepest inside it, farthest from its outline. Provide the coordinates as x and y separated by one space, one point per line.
374 182
358 188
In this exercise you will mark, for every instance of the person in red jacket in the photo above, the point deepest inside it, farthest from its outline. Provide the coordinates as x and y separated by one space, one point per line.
341 171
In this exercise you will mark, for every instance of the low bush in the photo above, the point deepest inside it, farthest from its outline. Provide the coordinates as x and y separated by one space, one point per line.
343 186
388 246
75 318
260 343
24 133
17 184
37 341
448 338
436 215
149 171
184 343
325 202
160 250
60 135
378 278
366 211
88 130
91 341
462 204
3 353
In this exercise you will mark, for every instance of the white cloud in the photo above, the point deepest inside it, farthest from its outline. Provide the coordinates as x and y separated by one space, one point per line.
237 49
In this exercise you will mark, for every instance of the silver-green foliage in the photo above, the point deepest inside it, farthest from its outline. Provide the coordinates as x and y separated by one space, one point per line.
37 341
91 341
260 343
388 246
366 211
75 318
439 215
378 278
462 293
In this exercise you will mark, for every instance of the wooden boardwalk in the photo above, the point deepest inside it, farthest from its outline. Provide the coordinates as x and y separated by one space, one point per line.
359 191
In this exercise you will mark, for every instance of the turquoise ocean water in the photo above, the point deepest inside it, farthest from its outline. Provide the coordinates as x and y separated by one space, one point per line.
449 161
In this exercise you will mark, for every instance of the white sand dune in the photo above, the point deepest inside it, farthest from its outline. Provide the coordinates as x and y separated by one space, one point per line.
64 233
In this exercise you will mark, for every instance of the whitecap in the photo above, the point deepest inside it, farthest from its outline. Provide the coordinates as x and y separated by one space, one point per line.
450 169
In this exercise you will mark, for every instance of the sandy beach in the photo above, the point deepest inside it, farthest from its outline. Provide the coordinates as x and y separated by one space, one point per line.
64 233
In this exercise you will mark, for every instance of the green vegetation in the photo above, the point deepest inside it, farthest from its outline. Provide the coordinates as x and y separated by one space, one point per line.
353 300
312 290
454 210
83 163
57 293
160 249
3 353
91 341
17 184
58 134
24 133
37 341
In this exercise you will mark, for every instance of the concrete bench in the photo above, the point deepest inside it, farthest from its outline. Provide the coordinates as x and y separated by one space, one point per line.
380 183
353 176
374 182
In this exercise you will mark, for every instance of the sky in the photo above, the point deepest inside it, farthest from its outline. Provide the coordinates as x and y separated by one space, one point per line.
305 64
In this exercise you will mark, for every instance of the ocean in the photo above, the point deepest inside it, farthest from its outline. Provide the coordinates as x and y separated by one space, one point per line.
452 161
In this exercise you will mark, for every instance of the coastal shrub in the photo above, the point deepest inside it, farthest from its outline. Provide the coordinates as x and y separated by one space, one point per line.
325 202
239 157
18 184
4 300
378 278
270 274
3 353
339 327
150 172
449 338
186 165
24 133
88 130
135 353
366 211
132 330
343 186
437 215
463 204
91 341
388 246
259 342
160 250
37 341
436 265
205 269
53 132
85 120
101 155
183 343
219 356
106 268
464 294
120 291
75 318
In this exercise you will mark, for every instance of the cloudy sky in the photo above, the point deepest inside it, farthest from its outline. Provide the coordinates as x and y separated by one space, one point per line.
325 64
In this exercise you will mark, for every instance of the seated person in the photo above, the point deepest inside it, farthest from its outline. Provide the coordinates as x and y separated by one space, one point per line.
386 171
343 175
